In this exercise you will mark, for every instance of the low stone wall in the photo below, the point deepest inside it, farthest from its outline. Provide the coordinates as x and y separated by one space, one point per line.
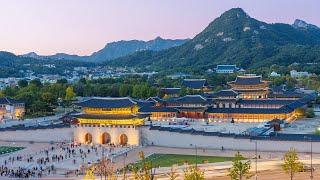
174 139
39 135
168 139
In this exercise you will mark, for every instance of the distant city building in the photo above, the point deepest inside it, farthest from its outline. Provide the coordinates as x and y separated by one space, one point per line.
274 74
297 74
226 69
11 108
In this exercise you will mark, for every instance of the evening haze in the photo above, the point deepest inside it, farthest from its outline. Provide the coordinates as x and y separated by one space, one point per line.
85 26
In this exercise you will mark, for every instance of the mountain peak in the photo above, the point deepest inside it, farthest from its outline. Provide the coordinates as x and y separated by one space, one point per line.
31 55
158 38
298 23
235 12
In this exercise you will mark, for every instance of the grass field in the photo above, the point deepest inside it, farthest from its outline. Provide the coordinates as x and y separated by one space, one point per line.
167 160
9 149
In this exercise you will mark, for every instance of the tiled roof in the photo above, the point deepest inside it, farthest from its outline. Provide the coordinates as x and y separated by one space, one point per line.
226 93
248 80
108 102
188 99
266 101
226 67
249 110
194 83
146 109
7 100
106 116
155 99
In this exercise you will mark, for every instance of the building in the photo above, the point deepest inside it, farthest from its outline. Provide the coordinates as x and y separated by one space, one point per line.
296 74
274 74
108 121
249 100
250 87
196 84
226 69
11 108
170 92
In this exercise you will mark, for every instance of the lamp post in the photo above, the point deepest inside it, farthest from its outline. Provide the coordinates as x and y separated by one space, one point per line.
311 172
196 155
256 152
124 165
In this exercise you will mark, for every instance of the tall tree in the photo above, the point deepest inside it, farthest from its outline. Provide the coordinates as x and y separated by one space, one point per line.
291 164
22 83
70 94
193 173
240 168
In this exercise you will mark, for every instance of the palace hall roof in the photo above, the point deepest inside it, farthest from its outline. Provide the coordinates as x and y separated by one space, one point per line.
7 100
194 83
108 103
266 101
248 80
249 110
188 99
105 116
226 93
147 109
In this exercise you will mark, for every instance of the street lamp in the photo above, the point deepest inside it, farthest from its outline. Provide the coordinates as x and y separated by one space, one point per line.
196 155
256 152
256 158
311 172
311 165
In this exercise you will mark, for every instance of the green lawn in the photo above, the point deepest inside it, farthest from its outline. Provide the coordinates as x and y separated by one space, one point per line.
167 160
9 149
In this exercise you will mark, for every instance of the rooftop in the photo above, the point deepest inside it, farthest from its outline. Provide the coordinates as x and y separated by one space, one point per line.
248 80
108 102
194 83
7 100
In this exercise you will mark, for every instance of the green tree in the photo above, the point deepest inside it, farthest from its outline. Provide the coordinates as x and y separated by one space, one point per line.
70 94
62 81
193 173
22 83
173 174
240 169
124 90
291 164
36 82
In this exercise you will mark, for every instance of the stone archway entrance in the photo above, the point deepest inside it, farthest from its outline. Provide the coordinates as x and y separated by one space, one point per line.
123 139
105 138
88 138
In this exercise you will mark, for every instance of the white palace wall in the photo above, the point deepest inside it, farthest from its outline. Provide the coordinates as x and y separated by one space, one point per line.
159 138
173 139
39 135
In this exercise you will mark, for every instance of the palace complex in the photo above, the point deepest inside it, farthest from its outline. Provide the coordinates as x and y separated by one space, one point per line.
249 99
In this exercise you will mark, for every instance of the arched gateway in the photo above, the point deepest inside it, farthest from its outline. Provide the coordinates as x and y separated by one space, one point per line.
105 138
123 139
88 138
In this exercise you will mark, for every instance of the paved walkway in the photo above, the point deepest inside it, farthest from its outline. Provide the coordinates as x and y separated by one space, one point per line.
268 162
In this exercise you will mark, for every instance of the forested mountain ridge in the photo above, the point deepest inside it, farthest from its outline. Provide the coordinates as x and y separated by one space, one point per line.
235 38
115 50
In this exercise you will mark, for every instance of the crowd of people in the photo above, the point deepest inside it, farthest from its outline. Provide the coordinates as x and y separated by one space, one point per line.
46 161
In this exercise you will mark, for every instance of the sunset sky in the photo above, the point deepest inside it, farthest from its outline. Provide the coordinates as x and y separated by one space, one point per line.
84 26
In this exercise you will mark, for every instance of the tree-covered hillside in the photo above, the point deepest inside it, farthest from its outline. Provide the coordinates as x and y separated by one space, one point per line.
234 38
